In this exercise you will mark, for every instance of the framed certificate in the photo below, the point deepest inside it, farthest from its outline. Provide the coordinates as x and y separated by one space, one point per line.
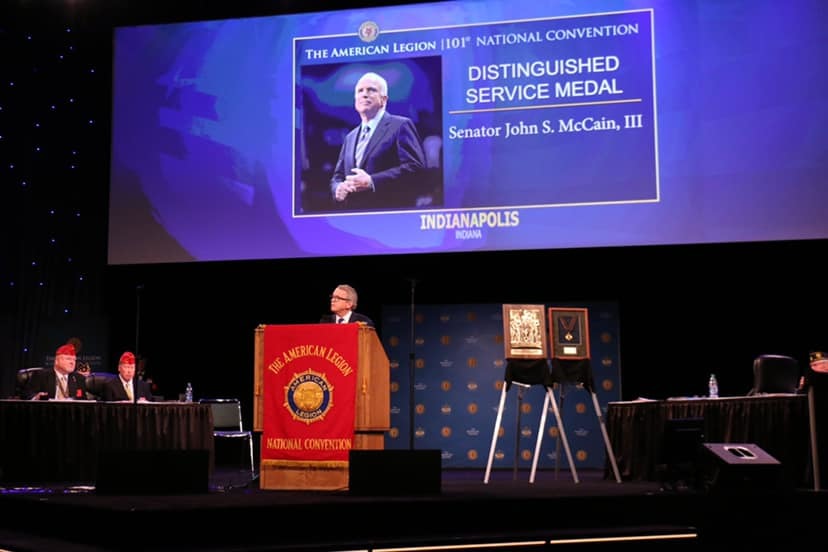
569 333
524 331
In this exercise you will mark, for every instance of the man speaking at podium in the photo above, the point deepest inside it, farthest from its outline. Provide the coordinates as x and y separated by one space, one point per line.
343 303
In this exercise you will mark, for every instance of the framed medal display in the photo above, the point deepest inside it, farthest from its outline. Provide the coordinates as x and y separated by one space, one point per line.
524 331
569 333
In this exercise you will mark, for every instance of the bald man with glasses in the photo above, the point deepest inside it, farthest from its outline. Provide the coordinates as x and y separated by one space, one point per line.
343 305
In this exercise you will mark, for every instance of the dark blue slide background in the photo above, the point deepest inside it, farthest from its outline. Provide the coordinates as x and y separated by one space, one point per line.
216 149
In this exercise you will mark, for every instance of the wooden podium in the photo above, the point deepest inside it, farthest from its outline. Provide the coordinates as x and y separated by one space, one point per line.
351 351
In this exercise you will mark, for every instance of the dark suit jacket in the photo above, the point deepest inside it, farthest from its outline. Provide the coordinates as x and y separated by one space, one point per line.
393 157
355 317
114 390
46 380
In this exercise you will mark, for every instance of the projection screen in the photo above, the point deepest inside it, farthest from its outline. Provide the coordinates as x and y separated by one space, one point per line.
536 125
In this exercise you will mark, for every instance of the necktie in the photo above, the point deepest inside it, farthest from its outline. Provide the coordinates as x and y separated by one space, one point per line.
64 393
128 391
340 320
363 141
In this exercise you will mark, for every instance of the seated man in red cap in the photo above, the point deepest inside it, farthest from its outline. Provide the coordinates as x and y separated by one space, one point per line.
61 382
126 387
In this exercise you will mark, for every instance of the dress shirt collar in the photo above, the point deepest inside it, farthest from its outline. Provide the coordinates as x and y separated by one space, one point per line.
372 123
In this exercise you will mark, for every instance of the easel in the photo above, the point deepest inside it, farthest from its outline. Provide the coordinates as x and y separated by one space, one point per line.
525 330
561 396
525 374
579 374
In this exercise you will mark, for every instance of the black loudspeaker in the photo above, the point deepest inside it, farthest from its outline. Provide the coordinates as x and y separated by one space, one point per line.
681 448
153 472
394 472
742 467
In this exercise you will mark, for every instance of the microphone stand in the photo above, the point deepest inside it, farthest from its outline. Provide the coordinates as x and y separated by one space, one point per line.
411 362
135 432
138 289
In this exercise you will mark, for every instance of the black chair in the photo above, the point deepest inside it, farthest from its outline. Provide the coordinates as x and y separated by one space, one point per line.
95 383
774 374
24 376
227 423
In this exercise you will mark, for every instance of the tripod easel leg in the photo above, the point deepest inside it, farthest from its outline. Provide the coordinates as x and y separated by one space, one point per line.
517 432
562 433
562 396
606 437
498 420
541 427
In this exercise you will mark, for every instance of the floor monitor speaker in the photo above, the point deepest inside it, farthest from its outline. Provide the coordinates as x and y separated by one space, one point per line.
148 472
394 472
742 467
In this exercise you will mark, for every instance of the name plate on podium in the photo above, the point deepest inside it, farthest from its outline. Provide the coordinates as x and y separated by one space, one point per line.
524 331
569 333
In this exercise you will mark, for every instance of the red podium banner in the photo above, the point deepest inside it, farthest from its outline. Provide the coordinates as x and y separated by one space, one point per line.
309 390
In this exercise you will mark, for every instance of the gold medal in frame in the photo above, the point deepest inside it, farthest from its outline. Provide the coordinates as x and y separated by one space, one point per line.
524 331
569 333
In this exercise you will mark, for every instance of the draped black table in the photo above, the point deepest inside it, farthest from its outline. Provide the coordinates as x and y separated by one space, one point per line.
51 441
776 423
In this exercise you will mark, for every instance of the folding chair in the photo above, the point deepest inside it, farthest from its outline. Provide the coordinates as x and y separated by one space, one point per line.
227 423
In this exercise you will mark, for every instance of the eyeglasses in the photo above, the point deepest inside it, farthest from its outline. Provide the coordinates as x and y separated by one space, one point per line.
338 298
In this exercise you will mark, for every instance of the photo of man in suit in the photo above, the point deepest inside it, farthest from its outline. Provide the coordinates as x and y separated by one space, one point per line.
380 160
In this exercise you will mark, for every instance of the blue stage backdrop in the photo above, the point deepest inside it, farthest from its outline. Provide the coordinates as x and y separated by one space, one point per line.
458 369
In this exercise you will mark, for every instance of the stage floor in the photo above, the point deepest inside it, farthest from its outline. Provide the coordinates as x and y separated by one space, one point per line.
234 514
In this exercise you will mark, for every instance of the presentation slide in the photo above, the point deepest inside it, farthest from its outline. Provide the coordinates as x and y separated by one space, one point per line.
469 126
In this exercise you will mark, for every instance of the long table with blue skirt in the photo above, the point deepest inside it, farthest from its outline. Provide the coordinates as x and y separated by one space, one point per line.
778 424
61 441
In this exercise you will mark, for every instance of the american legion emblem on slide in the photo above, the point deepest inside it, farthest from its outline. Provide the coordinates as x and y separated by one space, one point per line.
368 31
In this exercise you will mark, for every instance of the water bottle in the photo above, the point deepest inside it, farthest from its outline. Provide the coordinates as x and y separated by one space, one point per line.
713 387
188 393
